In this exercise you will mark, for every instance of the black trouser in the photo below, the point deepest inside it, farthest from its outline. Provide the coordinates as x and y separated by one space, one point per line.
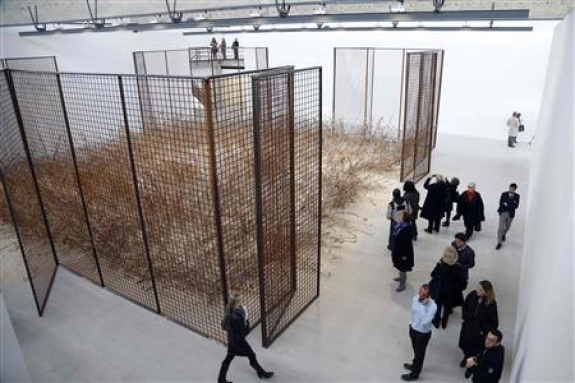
433 224
470 227
414 226
448 216
249 353
446 312
391 239
419 343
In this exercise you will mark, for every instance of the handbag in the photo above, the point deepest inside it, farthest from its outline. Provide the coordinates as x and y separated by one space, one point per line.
521 127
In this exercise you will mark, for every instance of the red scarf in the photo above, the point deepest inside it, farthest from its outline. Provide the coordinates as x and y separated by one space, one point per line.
471 195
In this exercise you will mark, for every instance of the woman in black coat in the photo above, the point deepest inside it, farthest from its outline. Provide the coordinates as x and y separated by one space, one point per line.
479 314
434 205
451 196
445 286
237 326
411 195
470 206
402 254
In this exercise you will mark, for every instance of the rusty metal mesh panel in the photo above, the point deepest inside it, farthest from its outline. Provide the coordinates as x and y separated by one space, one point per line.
37 64
98 131
424 138
23 205
411 119
307 91
174 172
41 107
437 93
232 120
275 206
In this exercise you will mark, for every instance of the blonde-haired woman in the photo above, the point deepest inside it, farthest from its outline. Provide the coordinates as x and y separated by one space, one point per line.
479 316
445 285
237 326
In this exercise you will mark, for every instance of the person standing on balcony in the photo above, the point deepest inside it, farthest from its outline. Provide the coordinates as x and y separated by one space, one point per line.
236 49
223 48
214 48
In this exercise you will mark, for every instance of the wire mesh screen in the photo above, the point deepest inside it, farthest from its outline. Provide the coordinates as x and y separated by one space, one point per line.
38 64
41 107
23 205
98 132
437 93
232 119
424 139
173 163
305 102
419 115
275 206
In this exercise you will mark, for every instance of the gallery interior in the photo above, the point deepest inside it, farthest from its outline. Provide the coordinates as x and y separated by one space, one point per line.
158 157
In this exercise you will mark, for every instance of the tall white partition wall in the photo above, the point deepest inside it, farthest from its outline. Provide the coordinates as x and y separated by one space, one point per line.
544 330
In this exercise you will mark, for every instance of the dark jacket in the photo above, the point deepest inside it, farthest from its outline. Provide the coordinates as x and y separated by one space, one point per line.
445 284
471 210
478 318
508 203
413 199
237 328
489 366
402 254
466 260
434 205
451 196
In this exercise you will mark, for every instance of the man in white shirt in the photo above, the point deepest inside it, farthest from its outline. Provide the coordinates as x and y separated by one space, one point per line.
423 310
513 130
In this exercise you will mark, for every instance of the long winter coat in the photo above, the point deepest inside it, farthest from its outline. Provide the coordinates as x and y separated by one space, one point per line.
451 196
237 327
434 205
471 210
413 199
445 285
478 318
402 254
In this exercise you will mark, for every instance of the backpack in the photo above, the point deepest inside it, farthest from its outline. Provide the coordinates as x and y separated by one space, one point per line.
394 207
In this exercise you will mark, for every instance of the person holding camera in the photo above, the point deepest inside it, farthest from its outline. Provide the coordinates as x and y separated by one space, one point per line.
487 367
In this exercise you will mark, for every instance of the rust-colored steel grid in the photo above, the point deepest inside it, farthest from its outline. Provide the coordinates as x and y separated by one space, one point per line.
424 141
411 119
287 142
437 93
21 197
99 135
52 156
175 171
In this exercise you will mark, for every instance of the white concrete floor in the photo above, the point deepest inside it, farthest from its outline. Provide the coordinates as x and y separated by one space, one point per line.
356 331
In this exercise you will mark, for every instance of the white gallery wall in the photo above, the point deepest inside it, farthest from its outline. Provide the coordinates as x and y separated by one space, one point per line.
544 339
487 75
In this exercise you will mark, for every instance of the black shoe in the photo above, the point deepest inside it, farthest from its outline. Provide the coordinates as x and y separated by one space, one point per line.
445 224
503 238
389 248
435 323
443 325
408 366
436 229
498 246
409 377
265 374
428 231
456 218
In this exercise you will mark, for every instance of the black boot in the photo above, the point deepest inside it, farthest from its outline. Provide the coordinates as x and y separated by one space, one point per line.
265 374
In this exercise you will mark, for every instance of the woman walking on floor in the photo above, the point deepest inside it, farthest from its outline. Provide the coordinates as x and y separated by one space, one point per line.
479 314
237 326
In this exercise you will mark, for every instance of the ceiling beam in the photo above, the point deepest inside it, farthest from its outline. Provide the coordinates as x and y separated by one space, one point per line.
209 25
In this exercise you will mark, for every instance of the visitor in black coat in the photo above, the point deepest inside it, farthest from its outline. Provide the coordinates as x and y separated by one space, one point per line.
237 326
434 205
445 286
488 367
451 196
470 206
411 195
402 254
479 314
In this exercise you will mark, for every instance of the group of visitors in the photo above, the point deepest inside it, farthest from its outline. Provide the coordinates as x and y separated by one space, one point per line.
222 48
514 127
479 340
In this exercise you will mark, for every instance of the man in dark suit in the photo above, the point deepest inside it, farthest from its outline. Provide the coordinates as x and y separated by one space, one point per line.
508 203
487 367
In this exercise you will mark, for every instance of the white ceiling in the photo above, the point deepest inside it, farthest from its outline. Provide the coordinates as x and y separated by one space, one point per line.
16 11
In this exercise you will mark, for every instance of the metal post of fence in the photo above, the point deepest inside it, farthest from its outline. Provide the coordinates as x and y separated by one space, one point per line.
77 175
215 187
320 167
405 120
438 99
137 192
366 81
20 121
334 84
372 80
430 140
291 127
